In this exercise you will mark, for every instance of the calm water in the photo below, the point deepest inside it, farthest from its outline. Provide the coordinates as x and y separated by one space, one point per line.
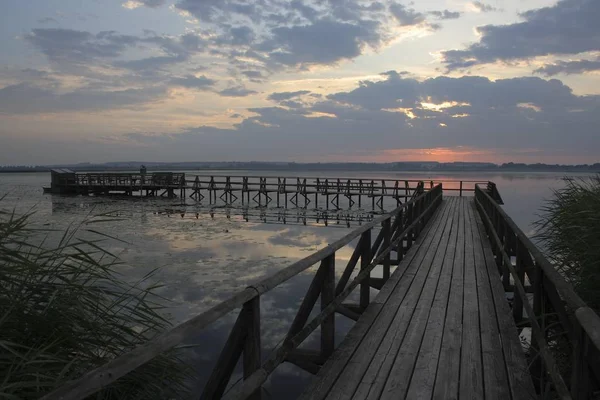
202 259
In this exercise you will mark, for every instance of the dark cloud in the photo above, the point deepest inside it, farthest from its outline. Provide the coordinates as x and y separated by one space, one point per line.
237 91
568 27
322 42
193 82
476 112
152 3
406 16
280 96
569 67
72 46
25 99
482 7
445 14
151 64
252 74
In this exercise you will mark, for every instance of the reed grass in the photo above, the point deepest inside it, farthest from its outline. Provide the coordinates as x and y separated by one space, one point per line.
65 310
569 232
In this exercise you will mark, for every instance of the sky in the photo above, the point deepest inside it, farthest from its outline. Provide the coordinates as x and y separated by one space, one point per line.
299 80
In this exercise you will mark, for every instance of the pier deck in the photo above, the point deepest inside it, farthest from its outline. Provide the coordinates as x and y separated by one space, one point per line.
440 328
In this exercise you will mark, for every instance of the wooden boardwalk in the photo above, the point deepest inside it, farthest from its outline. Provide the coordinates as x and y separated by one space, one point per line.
440 328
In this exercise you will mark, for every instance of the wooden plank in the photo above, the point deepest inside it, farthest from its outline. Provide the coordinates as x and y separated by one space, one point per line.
405 357
329 373
447 379
471 374
373 360
493 364
520 383
423 379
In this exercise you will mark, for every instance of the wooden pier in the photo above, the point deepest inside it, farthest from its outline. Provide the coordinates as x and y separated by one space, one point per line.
256 191
440 327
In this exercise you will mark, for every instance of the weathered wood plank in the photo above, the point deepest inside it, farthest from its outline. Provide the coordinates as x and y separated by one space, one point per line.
493 364
521 386
447 379
413 345
471 374
330 372
423 379
375 361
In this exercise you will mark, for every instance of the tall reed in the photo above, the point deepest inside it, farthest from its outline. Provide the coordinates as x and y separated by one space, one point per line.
65 310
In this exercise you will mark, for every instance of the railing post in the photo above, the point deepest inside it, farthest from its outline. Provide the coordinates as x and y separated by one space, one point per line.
252 357
579 366
327 297
401 225
409 221
365 260
460 190
537 366
387 238
520 268
504 237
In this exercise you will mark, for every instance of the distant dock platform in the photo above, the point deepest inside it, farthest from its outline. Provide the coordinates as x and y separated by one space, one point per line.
152 184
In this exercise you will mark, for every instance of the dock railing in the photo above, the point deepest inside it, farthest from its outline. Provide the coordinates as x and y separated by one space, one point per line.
559 319
398 230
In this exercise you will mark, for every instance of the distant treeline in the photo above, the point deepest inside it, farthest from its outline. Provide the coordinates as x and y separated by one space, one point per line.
292 166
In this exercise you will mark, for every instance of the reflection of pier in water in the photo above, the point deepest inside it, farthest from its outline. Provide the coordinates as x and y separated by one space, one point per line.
343 218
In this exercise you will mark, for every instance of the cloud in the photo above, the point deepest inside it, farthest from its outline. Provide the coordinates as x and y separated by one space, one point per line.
482 7
253 74
406 16
24 98
322 42
193 82
73 46
133 4
445 14
280 96
569 67
237 91
404 112
47 20
568 27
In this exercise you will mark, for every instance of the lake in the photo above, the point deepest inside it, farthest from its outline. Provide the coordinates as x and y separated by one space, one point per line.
203 258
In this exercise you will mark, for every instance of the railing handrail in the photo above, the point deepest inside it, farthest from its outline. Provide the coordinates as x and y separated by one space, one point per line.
332 178
120 366
580 324
564 288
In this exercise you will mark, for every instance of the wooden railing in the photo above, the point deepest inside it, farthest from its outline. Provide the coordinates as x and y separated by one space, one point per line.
565 333
128 179
398 231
